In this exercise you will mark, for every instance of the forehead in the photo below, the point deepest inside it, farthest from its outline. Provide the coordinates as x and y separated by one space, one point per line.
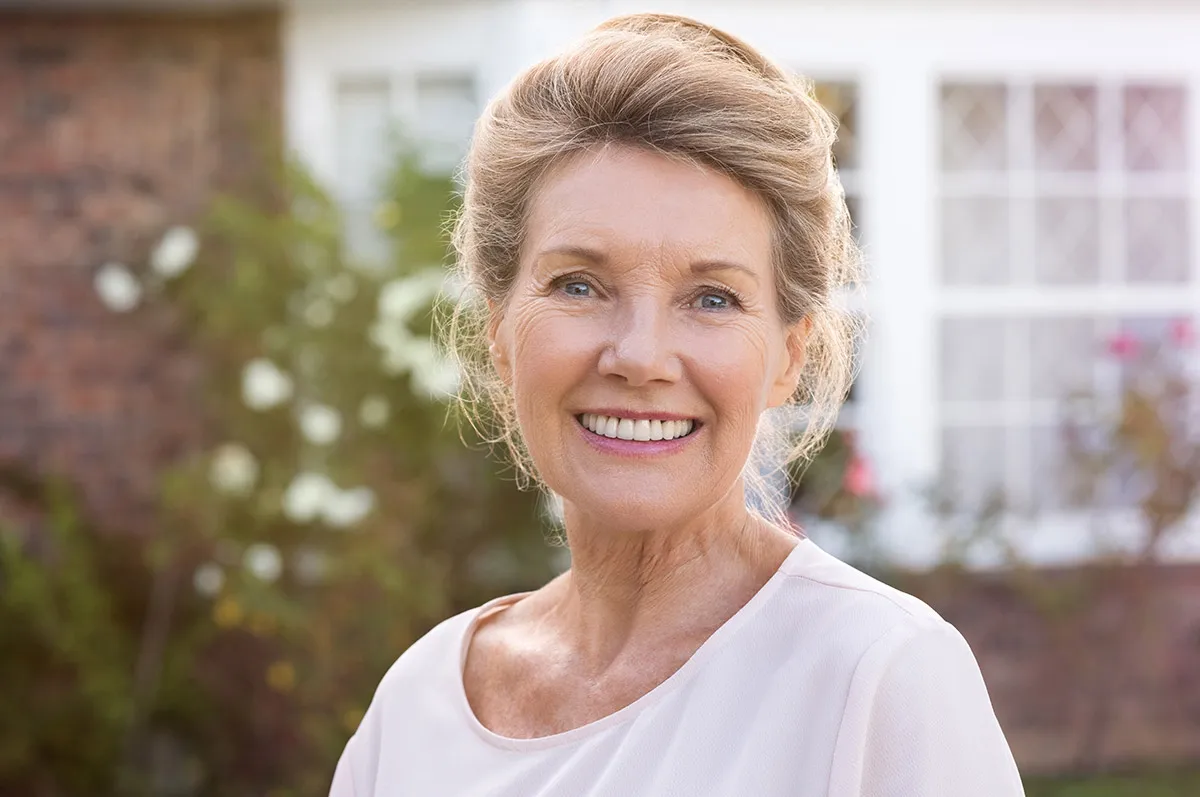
630 199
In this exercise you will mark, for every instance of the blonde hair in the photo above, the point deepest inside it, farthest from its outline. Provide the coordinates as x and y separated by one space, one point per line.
674 86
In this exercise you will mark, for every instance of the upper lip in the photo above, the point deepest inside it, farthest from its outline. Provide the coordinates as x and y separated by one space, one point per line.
638 415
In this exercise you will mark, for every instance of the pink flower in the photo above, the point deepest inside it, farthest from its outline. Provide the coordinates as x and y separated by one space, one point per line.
1123 346
1183 334
858 479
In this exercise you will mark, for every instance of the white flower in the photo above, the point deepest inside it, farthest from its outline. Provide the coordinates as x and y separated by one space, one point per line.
319 313
117 287
439 380
342 287
345 508
263 561
234 469
310 565
264 385
374 412
320 424
391 338
401 298
208 579
175 253
432 374
306 496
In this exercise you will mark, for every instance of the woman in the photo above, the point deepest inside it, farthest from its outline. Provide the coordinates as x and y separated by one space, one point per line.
655 224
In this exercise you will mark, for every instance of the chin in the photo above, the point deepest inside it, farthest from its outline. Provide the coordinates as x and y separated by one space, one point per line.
636 507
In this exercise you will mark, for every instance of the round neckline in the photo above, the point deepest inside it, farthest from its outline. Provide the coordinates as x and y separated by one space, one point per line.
707 650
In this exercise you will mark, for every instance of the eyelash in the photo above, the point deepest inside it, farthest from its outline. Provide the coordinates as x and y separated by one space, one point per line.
736 300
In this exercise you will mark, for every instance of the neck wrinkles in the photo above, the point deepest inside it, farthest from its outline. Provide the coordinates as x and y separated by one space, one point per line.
630 589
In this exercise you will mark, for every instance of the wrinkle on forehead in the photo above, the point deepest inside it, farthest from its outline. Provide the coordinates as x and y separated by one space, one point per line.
692 210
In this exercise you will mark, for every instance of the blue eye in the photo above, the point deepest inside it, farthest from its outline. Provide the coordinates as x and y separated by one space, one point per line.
577 288
713 301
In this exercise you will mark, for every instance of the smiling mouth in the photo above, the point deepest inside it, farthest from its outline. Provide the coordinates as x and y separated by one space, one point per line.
640 430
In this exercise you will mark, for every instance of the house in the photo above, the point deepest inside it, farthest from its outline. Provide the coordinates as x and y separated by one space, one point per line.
1025 178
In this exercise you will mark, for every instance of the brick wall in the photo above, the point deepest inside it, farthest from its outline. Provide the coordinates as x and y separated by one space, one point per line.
1088 669
113 126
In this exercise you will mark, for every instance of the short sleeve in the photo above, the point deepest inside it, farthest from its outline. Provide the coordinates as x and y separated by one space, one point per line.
931 730
343 775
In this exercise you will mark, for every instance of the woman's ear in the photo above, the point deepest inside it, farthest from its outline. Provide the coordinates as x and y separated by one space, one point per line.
498 341
791 364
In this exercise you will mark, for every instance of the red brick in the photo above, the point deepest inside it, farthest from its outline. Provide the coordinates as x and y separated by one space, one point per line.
113 126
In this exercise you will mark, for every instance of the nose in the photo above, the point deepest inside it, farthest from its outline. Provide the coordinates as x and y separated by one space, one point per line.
641 346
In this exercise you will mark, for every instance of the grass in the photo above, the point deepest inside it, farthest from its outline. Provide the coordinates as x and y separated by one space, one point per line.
1160 784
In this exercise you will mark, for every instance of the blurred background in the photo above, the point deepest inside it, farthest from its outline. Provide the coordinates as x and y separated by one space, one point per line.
232 490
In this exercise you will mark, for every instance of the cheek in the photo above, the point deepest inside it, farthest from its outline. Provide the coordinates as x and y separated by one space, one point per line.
732 365
550 352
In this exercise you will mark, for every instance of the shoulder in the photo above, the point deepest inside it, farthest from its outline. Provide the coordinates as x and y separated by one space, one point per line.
415 689
433 657
916 717
890 645
849 604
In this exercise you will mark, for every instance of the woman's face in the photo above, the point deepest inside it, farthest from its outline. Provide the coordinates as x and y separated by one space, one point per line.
641 339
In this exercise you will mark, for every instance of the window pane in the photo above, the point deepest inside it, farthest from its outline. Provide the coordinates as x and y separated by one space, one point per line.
1065 128
446 112
1068 240
975 241
362 157
1155 138
974 122
1057 478
1062 357
841 100
362 116
1156 239
972 361
973 465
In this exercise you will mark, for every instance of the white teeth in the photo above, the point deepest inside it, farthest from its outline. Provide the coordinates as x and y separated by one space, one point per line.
630 429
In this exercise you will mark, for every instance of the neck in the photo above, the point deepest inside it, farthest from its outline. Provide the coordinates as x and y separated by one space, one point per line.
629 587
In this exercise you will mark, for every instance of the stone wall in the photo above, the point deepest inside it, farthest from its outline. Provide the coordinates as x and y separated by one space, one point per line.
113 126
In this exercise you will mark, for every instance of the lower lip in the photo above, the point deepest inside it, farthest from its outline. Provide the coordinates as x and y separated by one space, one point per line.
635 448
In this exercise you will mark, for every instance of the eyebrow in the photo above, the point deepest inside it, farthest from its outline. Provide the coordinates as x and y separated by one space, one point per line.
705 266
599 258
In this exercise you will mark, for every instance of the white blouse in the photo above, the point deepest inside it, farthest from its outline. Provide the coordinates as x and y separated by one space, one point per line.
827 683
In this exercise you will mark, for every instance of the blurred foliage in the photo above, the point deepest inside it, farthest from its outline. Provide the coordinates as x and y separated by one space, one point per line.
837 488
335 518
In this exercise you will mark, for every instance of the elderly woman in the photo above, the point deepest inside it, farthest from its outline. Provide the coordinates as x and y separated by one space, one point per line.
654 223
